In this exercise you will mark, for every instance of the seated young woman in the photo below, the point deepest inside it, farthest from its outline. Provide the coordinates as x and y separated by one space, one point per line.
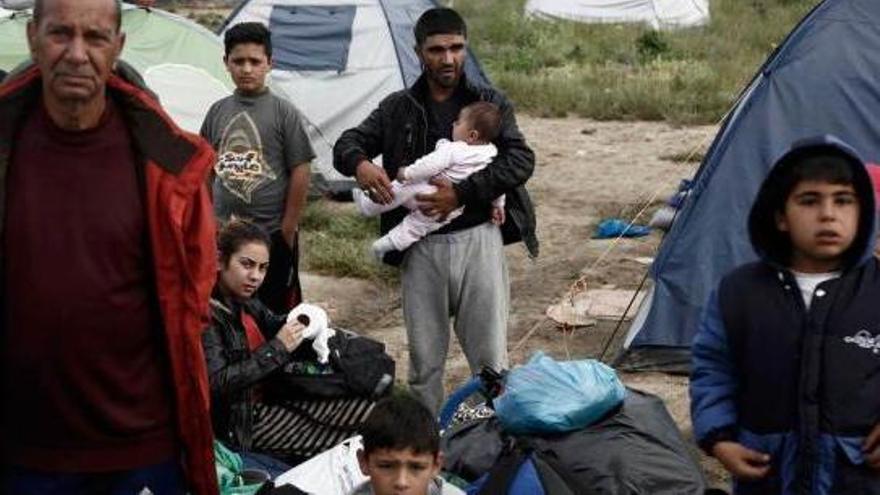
243 346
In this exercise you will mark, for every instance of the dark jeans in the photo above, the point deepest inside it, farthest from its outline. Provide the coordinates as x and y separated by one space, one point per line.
165 478
281 291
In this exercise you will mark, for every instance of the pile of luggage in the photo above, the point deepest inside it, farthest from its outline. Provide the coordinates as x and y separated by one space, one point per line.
567 428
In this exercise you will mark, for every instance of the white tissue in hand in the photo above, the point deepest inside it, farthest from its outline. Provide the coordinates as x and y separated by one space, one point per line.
317 329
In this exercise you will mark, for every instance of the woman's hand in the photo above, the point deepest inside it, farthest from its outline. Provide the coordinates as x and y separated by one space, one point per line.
291 334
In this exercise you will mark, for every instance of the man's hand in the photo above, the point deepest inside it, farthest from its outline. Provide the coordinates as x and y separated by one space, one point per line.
291 334
374 181
871 448
441 203
743 463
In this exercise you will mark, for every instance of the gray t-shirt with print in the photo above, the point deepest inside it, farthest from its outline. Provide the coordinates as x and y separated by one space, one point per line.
258 140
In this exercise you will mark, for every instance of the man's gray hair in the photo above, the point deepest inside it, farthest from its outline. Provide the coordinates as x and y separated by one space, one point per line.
38 12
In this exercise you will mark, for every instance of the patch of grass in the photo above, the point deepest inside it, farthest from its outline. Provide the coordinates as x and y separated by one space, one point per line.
335 241
614 71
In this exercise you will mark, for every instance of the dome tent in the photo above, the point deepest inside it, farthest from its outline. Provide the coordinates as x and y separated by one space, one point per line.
337 59
820 80
180 61
659 14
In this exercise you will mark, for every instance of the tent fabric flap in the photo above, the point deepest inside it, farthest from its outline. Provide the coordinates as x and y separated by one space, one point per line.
311 37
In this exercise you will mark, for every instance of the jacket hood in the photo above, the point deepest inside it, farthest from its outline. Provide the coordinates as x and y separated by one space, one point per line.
774 246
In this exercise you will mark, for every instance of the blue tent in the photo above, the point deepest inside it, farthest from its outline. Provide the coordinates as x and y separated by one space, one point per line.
821 80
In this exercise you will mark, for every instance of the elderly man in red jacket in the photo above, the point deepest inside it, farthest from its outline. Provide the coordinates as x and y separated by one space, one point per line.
107 259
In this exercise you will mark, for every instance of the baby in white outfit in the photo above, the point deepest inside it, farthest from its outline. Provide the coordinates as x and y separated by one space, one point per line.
471 150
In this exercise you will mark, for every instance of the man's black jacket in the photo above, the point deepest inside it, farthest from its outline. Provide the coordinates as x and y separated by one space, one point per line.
398 130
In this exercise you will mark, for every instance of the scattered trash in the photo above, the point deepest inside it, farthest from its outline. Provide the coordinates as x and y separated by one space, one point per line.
567 314
615 227
585 308
643 260
663 217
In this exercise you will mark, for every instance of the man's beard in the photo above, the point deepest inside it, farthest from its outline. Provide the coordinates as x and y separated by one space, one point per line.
445 81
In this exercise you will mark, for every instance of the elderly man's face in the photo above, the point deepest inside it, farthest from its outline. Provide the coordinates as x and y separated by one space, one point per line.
76 44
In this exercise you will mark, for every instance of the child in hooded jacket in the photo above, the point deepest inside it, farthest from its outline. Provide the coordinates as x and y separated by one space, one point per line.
785 383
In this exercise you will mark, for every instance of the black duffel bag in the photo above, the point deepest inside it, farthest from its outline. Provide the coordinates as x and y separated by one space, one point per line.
634 450
358 367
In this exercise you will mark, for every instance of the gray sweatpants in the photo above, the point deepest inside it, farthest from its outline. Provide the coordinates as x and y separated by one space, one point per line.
461 275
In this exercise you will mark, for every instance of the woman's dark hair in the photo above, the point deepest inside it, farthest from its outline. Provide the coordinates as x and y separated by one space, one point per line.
235 234
401 422
248 32
439 20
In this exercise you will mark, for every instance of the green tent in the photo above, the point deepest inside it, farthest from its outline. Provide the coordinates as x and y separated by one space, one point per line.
180 60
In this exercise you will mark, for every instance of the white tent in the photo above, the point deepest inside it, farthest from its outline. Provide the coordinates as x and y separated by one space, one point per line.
337 59
659 14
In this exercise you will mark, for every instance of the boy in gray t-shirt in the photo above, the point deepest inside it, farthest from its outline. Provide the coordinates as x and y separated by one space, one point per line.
263 154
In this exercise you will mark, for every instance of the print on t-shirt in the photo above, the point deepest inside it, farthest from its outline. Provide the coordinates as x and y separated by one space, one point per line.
240 165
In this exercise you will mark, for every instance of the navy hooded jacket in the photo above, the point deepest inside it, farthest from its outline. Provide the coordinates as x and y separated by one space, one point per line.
802 385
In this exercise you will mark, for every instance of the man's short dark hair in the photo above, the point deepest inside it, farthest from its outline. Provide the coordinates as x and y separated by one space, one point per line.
438 20
485 118
38 12
248 32
235 234
401 422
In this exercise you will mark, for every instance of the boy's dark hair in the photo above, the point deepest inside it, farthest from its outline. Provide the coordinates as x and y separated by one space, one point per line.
235 234
401 422
438 20
248 32
485 118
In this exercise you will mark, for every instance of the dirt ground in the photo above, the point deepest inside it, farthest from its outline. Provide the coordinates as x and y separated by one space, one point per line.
586 171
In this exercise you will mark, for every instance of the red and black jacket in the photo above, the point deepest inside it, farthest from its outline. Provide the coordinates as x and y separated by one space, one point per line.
181 226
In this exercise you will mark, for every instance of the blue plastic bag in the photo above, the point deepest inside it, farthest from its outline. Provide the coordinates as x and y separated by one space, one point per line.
548 396
615 227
